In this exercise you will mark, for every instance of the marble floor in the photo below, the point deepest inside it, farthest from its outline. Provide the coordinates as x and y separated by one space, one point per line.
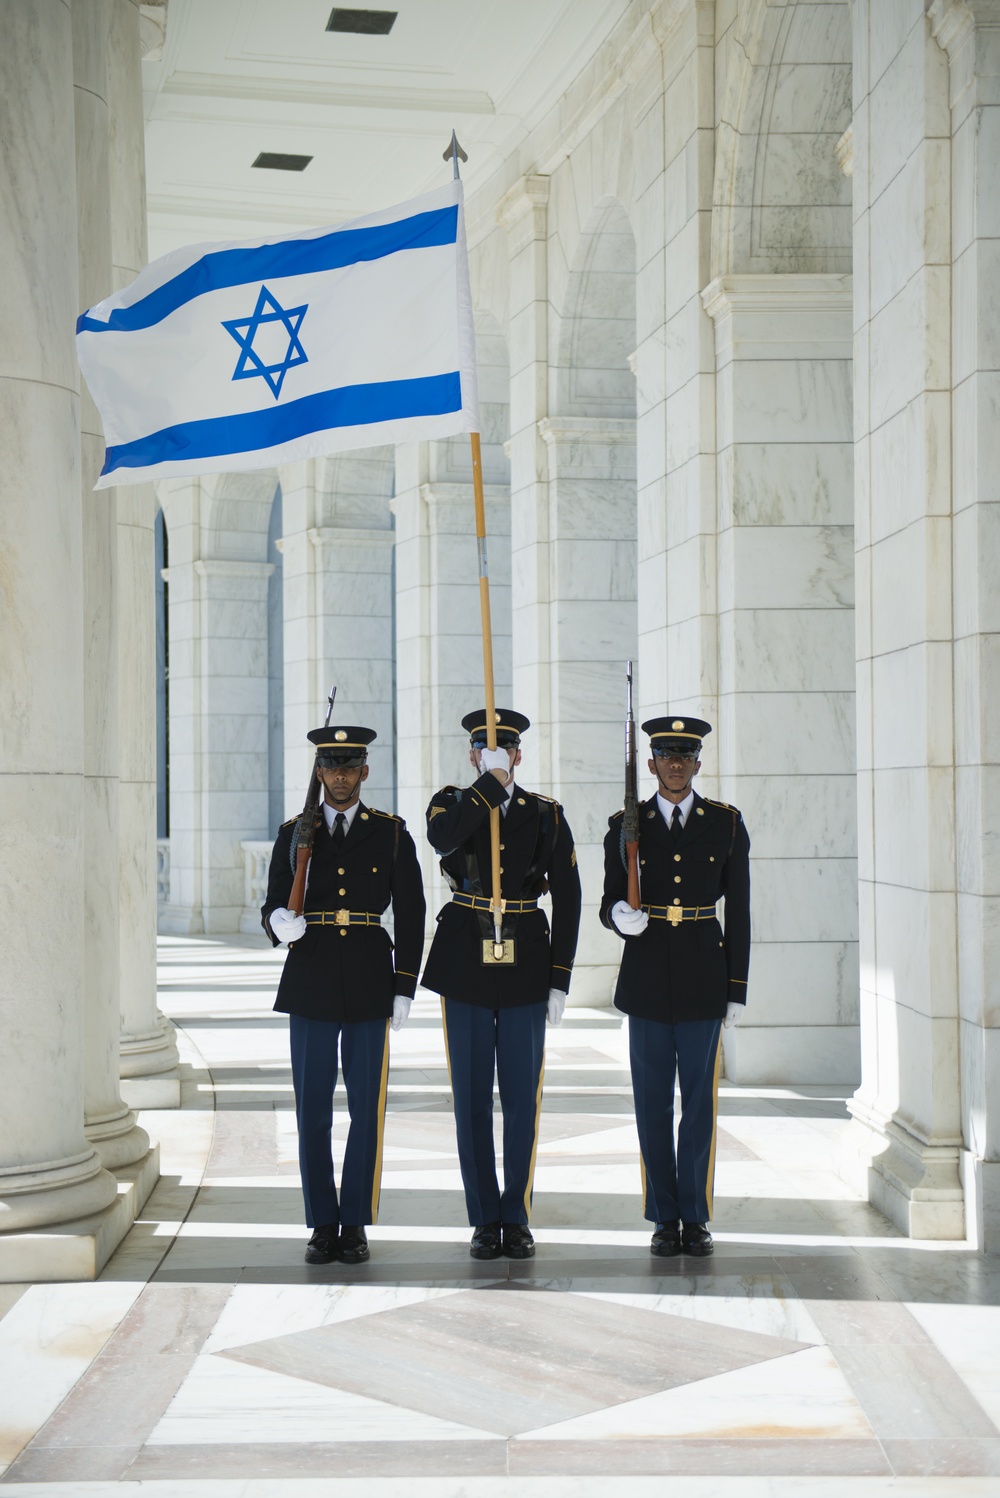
208 1359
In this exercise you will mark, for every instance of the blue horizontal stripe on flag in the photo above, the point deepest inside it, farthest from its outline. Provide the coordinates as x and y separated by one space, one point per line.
252 431
293 257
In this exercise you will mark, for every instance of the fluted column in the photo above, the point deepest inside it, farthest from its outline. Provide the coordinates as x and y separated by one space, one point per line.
148 1052
110 1124
49 1172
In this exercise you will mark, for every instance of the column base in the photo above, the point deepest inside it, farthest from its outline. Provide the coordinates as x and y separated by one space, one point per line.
79 1250
32 1199
149 1068
915 1185
781 1055
118 1139
162 1090
981 1183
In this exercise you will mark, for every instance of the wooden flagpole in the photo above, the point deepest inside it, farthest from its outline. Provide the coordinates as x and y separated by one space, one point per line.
453 153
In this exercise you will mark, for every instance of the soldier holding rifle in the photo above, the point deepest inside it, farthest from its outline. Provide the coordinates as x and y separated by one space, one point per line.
496 996
668 861
340 985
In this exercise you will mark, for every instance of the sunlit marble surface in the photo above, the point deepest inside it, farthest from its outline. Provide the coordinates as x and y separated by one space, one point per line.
817 1345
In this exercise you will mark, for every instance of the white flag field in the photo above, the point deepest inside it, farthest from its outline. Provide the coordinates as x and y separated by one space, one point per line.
224 357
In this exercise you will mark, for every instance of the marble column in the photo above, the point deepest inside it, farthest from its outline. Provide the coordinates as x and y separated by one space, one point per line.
218 692
438 636
110 1124
785 590
970 34
591 632
49 1171
908 1109
148 1052
336 556
523 214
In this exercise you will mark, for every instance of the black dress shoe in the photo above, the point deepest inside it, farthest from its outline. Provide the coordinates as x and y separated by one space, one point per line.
353 1246
696 1240
517 1241
666 1240
486 1241
322 1246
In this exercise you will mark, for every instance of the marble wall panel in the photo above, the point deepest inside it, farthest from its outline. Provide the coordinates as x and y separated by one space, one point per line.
821 808
908 102
920 730
910 221
796 983
914 826
793 567
906 617
977 706
772 729
976 405
909 464
800 400
804 899
910 343
916 950
978 954
774 650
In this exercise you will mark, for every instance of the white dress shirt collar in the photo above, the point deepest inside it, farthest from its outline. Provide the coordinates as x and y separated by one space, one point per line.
667 808
330 813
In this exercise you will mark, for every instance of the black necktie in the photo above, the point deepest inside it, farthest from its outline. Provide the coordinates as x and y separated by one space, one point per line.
339 827
675 825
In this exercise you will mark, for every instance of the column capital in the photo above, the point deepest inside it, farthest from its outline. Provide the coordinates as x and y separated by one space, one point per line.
219 567
781 317
955 25
604 430
523 211
344 535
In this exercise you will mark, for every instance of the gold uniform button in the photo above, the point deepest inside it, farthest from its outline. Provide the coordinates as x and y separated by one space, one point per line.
364 815
699 809
711 858
342 892
677 858
343 932
374 871
501 868
642 862
677 880
502 849
650 815
521 801
676 901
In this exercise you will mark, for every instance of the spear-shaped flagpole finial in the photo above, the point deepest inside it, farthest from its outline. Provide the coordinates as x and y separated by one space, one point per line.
454 154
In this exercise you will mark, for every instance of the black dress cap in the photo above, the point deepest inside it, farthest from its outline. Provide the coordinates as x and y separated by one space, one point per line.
509 725
676 733
341 744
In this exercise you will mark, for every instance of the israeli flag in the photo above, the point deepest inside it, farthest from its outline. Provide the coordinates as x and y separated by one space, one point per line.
224 357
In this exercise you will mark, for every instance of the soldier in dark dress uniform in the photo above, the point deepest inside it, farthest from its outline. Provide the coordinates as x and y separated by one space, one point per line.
682 977
495 1015
342 987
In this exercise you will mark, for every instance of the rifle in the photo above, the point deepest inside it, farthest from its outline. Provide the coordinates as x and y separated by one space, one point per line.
305 832
630 821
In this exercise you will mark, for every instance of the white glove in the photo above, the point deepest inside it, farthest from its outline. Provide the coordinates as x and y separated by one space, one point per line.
495 759
733 1012
400 1011
287 927
557 1003
626 921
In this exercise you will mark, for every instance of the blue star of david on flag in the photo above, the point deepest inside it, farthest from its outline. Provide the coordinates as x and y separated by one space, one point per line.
251 365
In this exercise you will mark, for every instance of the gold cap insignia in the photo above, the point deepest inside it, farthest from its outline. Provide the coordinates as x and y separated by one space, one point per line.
340 735
678 725
496 717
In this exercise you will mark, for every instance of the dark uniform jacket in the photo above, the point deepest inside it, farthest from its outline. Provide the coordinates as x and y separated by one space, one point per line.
536 853
692 970
347 973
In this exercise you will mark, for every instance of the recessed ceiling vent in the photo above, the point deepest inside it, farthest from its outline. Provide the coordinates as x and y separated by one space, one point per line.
362 22
274 161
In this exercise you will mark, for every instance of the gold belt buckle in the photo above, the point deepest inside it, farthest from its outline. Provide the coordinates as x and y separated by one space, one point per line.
341 917
675 914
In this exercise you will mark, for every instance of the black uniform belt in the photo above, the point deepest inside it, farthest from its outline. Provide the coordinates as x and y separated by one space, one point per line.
343 918
482 902
677 913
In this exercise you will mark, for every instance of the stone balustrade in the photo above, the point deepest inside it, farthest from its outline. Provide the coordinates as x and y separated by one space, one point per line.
256 870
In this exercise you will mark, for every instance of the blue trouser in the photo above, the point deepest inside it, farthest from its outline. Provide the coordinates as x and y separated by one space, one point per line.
364 1054
676 1184
513 1041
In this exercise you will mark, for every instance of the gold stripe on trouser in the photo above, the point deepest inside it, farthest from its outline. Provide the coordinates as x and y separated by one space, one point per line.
710 1179
383 1090
642 1175
447 1052
534 1148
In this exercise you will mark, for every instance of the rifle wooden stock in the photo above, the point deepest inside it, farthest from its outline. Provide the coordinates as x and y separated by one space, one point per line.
306 833
632 859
